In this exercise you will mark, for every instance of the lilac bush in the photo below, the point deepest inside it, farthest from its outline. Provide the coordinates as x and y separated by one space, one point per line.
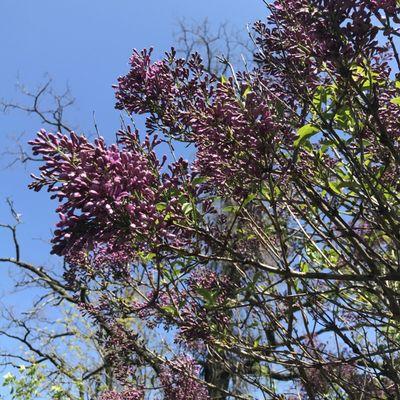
272 257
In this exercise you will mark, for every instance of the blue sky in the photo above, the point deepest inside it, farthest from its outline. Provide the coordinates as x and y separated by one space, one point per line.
85 45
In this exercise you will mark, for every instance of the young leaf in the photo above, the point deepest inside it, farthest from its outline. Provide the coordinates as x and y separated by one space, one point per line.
246 92
187 208
305 133
396 100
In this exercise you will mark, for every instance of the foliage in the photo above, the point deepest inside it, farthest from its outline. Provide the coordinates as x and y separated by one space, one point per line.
25 386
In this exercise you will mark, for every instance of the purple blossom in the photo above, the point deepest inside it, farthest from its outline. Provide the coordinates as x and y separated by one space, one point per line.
196 323
333 35
167 90
130 394
108 197
180 380
235 129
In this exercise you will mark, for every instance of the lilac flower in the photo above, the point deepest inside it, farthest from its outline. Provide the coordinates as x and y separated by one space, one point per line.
108 197
167 90
333 34
234 130
196 323
145 83
130 394
234 138
180 380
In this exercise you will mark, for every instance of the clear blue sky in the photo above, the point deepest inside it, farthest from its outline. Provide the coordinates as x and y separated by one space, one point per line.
85 44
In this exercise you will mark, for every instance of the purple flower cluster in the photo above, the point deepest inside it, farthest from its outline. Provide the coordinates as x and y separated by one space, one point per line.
130 394
331 33
180 380
388 6
356 381
108 197
167 90
152 309
196 322
234 135
145 84
233 125
212 280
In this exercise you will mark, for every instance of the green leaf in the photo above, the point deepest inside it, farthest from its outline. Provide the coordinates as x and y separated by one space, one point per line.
208 296
396 100
161 206
249 198
247 92
305 133
231 209
187 208
265 191
335 187
170 310
304 267
148 257
199 180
